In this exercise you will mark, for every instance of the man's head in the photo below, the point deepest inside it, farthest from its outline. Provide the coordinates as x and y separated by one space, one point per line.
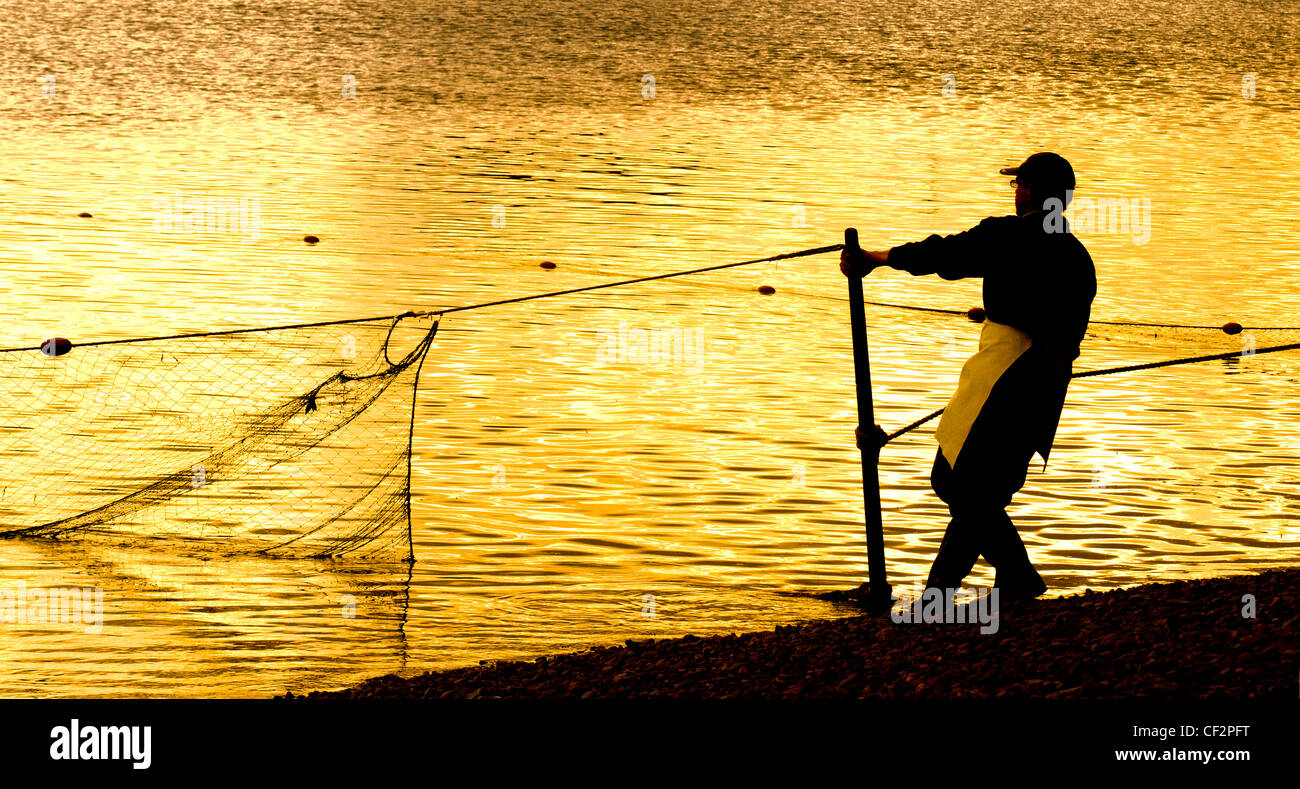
1040 178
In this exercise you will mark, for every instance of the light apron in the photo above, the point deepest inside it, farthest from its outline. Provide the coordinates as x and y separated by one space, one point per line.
1000 346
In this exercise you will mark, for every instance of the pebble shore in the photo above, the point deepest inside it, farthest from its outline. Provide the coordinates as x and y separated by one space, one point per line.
1180 640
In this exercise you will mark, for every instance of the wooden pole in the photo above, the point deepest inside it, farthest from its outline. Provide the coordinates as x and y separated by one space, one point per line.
879 595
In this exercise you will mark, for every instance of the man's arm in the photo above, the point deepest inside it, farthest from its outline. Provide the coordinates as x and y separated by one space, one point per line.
863 263
969 253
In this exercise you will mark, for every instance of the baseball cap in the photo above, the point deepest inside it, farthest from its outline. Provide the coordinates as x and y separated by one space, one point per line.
1047 170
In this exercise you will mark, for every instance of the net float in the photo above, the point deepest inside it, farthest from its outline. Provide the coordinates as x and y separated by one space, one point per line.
766 290
56 346
976 314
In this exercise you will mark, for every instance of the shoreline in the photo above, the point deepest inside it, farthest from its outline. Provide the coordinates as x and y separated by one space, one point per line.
1170 640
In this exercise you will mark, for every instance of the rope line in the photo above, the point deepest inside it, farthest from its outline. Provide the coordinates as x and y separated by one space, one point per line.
427 313
1113 370
785 256
589 288
399 316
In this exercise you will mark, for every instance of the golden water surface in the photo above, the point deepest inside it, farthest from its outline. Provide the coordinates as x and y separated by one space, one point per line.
569 490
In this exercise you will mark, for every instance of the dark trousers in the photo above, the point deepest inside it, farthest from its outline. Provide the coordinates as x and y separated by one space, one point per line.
990 469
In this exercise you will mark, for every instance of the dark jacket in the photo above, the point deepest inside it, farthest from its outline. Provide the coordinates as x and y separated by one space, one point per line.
1035 280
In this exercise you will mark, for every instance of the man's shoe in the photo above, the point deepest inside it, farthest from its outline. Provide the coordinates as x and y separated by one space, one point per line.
1026 589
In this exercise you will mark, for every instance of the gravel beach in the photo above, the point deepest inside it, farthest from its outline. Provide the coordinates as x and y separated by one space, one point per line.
1180 640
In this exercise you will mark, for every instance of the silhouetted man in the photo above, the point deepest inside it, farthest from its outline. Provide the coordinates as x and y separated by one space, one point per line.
1039 284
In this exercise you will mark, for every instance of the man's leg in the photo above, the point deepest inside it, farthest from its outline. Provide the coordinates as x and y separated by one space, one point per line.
998 472
960 547
1002 546
989 472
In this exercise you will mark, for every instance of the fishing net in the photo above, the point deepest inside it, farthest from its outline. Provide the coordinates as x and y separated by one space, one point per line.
1116 347
1179 339
1163 339
297 440
1167 339
284 441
